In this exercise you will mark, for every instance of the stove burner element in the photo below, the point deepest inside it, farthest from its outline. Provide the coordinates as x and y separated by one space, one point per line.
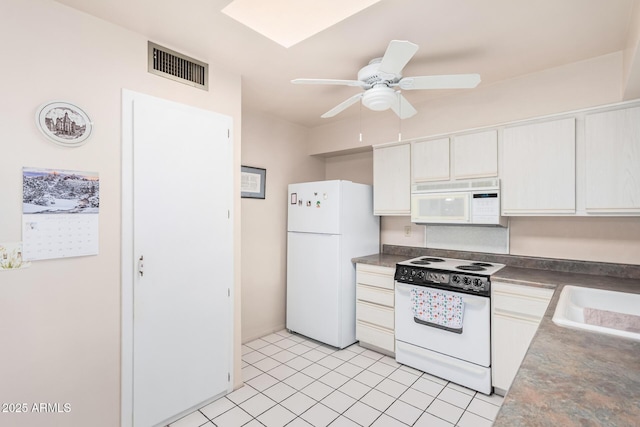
432 259
482 264
470 268
420 262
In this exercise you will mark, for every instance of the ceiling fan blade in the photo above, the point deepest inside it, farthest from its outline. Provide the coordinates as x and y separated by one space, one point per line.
342 106
356 83
449 81
403 108
398 53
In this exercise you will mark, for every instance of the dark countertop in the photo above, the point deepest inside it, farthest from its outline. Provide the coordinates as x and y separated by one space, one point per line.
383 260
568 377
571 377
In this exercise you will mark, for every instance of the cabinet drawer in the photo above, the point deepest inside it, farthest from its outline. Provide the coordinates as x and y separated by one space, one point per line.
375 295
376 336
372 275
375 314
526 302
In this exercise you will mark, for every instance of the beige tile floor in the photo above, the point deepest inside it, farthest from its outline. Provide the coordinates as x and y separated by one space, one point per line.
293 381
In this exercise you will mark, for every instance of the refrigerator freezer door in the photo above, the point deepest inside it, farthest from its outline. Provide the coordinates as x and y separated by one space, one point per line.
315 207
314 286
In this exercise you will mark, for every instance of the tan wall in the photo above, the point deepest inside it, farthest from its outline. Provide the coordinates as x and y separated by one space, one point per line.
278 147
60 319
393 231
589 239
352 167
631 59
574 86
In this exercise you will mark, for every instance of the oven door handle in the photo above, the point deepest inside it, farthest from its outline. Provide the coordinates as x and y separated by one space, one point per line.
437 326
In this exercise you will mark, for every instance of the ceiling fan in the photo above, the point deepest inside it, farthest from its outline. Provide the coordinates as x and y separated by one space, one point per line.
382 82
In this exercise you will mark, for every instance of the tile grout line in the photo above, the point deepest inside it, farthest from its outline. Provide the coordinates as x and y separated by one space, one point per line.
304 341
370 388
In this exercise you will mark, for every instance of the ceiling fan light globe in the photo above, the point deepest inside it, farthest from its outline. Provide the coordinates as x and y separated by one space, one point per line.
379 98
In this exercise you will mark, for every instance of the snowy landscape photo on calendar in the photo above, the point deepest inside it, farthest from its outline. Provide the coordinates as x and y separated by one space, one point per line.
51 191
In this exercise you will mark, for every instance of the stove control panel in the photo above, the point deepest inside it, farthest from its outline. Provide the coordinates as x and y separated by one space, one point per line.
473 283
443 279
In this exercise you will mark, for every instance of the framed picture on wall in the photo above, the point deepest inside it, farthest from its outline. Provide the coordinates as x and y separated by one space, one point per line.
253 182
64 123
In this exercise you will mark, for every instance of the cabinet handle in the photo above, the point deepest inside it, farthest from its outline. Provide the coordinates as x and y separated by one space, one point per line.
376 306
516 315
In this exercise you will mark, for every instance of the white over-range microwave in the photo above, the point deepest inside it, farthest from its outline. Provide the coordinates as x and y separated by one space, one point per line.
473 202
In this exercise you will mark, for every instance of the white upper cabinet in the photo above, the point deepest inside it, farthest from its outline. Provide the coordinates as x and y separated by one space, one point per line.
613 162
579 163
538 168
392 180
430 160
475 155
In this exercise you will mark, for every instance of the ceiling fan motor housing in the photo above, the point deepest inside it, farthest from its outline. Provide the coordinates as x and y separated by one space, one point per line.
379 96
371 75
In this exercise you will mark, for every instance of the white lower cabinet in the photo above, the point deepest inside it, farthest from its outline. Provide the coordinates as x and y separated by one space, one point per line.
516 312
375 307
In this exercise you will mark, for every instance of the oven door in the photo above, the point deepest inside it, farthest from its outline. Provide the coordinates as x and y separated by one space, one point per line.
472 345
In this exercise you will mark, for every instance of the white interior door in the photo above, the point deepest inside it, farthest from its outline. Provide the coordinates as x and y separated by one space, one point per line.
182 236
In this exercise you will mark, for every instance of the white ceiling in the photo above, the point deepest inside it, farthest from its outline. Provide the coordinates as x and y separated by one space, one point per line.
499 39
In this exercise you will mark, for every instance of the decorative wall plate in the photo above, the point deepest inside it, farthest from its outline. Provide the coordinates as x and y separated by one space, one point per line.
64 123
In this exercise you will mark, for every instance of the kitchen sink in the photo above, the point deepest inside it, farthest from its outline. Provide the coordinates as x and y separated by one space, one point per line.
598 310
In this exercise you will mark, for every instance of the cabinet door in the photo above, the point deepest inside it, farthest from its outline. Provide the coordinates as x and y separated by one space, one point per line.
538 169
392 180
613 162
516 312
430 160
475 155
510 339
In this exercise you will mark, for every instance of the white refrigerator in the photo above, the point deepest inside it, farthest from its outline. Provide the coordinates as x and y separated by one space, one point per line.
329 223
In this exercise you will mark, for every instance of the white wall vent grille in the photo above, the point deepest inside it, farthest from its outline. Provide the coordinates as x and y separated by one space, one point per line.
176 66
466 185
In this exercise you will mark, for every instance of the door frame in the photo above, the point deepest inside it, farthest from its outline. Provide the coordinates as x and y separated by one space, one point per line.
128 266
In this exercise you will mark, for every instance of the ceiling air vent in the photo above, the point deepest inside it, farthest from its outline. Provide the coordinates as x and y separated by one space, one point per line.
175 66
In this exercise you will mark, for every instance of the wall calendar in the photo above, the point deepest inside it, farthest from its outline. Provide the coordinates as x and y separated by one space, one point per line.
59 213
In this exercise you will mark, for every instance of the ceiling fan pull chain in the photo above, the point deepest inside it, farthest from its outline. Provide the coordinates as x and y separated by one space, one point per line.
360 121
399 116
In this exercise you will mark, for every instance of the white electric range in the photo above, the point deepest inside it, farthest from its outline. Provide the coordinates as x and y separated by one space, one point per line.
443 318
